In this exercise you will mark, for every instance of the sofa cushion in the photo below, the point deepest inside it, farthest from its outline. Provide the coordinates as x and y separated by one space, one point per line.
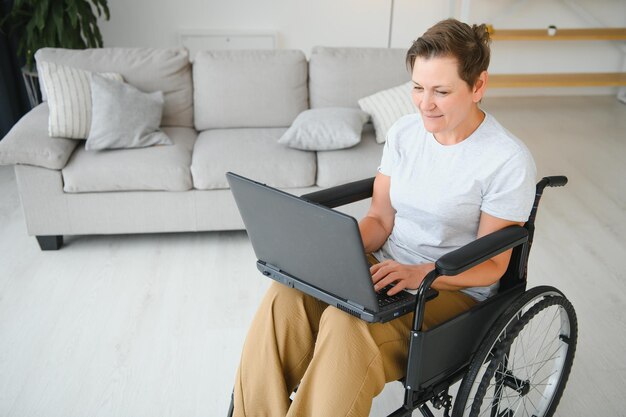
262 88
168 70
254 153
347 165
339 77
69 99
28 142
124 117
156 168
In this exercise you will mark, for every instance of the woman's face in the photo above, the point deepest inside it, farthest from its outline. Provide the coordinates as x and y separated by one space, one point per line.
448 105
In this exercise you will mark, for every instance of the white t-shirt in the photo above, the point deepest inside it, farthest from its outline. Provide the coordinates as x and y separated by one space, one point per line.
439 191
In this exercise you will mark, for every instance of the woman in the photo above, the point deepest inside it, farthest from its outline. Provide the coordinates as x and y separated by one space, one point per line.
448 175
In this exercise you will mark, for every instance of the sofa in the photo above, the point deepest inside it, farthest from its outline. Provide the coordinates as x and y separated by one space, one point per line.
225 111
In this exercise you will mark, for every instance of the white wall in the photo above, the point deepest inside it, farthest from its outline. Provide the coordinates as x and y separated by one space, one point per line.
302 24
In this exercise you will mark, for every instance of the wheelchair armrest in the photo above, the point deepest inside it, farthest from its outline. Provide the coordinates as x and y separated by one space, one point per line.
342 194
464 258
480 250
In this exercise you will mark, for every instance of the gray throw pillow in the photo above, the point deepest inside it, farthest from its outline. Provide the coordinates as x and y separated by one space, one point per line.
325 129
123 116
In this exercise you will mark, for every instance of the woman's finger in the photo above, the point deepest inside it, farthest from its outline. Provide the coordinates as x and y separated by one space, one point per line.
374 268
385 269
388 279
400 285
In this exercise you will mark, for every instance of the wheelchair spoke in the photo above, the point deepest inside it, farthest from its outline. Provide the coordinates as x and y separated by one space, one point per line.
554 355
508 399
511 401
540 392
545 335
497 399
529 399
531 344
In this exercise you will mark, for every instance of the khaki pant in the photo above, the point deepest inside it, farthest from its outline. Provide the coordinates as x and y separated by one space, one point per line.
339 361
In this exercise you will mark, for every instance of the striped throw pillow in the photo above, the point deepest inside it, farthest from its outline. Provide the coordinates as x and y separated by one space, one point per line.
69 98
387 106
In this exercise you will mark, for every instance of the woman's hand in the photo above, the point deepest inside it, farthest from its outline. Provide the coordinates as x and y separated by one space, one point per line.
403 276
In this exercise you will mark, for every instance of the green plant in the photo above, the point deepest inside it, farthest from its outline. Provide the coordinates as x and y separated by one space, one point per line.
69 24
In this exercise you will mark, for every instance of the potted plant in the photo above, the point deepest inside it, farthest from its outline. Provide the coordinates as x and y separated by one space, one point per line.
69 24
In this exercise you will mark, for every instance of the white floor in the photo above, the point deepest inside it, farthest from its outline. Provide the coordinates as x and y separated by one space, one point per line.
151 325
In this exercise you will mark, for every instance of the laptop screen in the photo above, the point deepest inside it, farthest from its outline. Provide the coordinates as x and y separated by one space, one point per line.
312 243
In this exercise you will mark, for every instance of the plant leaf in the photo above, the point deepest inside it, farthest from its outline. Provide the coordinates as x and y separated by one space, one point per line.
88 23
72 12
102 7
58 21
50 37
41 13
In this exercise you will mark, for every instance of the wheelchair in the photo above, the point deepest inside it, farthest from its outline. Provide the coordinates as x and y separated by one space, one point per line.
512 352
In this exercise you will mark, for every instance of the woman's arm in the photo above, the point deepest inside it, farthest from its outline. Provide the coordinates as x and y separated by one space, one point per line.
377 224
482 275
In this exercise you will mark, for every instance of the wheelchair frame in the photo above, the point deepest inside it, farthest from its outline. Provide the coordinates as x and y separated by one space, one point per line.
479 345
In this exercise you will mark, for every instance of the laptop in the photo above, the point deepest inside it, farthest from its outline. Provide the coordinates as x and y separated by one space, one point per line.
314 249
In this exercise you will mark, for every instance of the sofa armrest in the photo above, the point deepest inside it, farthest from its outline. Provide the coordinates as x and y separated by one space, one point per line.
28 142
342 194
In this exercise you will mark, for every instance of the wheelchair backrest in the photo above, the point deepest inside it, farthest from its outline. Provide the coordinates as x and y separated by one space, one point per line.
516 271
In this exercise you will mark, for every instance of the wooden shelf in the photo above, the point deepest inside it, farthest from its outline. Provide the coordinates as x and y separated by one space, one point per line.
602 79
593 34
612 79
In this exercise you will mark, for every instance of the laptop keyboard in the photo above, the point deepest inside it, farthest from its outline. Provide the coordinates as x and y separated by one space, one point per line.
384 300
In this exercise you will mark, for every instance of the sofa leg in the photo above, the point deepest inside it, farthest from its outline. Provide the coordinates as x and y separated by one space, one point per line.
50 242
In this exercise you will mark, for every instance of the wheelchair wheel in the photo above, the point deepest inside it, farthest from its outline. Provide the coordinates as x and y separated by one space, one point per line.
521 367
